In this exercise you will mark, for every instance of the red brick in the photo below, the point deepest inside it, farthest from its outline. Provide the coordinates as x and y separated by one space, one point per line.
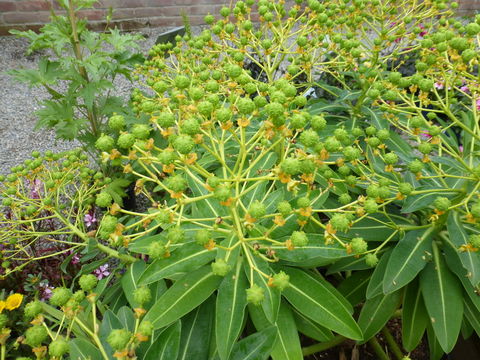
123 14
92 15
33 5
26 17
7 6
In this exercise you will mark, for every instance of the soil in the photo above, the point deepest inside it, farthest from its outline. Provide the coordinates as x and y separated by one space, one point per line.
350 351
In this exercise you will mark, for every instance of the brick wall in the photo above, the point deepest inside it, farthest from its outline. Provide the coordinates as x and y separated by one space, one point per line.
131 14
128 14
468 7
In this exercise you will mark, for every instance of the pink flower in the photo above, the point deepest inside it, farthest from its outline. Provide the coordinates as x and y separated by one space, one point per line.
102 272
45 291
460 148
75 258
425 135
478 104
465 89
90 219
438 85
35 188
423 33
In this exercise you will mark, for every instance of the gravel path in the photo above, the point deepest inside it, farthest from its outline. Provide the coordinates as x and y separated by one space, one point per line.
18 103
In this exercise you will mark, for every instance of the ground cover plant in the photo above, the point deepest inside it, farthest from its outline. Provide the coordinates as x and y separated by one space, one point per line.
274 221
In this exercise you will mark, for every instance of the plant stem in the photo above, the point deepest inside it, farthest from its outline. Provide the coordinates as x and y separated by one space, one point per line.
116 254
377 348
3 352
392 343
78 54
309 350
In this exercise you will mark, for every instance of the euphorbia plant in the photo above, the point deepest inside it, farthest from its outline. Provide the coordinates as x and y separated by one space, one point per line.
247 175
261 202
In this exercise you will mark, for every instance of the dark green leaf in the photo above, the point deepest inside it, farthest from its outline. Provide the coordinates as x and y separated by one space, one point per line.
130 280
472 314
317 301
459 237
184 296
420 201
348 263
81 349
436 352
230 310
315 251
442 295
167 345
126 317
376 312
271 303
187 258
310 328
375 286
408 258
355 286
197 330
256 346
414 316
287 346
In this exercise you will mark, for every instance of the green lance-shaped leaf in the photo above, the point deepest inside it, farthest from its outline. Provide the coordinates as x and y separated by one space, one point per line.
436 351
375 285
127 318
197 331
420 201
320 302
188 258
414 316
287 346
185 295
376 312
458 236
315 252
271 303
257 346
408 258
355 286
167 345
310 328
83 349
443 296
472 314
230 310
130 280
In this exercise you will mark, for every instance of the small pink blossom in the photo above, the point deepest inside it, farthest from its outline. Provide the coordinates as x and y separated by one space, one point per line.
102 272
90 219
460 148
478 104
45 291
35 188
425 135
75 258
438 85
465 89
423 33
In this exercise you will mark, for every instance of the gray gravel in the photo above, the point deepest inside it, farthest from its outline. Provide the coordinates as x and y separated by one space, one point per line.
18 103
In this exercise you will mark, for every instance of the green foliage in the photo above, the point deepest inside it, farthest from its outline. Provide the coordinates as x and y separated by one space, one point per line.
261 198
80 75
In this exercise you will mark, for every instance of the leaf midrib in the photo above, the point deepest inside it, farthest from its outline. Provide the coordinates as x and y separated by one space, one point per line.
189 290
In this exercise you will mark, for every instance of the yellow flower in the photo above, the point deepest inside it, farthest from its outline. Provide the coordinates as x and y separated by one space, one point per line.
2 305
13 301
